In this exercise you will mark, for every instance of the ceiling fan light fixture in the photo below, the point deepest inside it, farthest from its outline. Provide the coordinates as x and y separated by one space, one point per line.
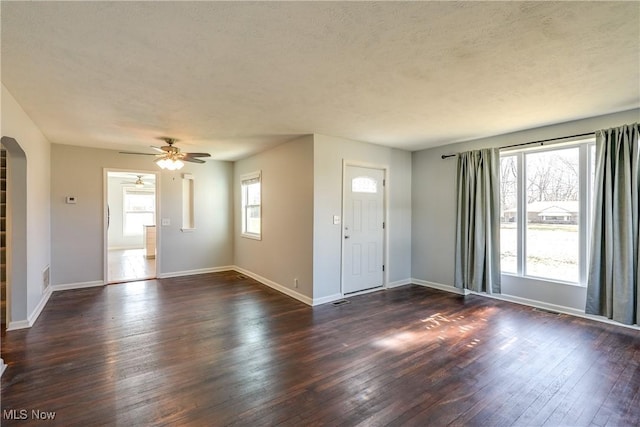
170 157
169 163
176 164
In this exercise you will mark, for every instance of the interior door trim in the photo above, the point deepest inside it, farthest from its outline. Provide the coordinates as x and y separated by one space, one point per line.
105 216
385 212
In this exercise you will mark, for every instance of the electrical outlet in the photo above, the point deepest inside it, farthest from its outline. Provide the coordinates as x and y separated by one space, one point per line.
295 283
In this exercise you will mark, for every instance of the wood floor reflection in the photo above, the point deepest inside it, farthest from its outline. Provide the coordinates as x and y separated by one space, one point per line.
220 349
129 265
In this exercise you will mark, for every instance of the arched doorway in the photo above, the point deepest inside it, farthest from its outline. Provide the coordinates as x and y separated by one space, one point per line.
15 227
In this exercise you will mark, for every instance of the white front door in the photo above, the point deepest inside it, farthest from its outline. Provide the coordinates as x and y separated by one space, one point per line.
363 229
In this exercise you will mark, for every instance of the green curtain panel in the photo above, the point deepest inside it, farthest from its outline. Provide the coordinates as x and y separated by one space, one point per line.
612 282
478 221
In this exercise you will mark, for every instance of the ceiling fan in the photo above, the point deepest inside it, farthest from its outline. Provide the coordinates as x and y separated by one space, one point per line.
139 183
171 157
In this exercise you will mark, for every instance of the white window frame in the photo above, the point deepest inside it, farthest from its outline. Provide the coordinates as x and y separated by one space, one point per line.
245 180
126 190
585 202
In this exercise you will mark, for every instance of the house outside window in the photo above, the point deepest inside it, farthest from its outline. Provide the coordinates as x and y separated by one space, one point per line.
251 205
545 211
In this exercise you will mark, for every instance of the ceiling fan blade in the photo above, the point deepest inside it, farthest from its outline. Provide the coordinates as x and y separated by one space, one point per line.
169 153
160 149
192 160
197 154
133 152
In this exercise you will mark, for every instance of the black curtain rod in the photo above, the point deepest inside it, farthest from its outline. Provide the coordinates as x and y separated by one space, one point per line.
541 142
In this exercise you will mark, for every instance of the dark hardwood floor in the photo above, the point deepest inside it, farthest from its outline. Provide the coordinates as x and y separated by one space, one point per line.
219 349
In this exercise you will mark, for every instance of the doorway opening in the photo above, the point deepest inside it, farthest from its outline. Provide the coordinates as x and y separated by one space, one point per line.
363 232
14 238
131 218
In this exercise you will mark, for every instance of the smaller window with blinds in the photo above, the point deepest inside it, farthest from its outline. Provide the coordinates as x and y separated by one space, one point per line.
364 184
251 205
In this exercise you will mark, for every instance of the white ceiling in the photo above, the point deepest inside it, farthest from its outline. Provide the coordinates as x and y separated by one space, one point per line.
234 78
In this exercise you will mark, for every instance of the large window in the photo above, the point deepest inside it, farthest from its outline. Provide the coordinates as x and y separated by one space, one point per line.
139 210
251 205
545 199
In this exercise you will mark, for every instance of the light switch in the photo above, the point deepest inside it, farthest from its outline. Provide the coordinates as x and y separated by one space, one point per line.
166 221
71 200
336 219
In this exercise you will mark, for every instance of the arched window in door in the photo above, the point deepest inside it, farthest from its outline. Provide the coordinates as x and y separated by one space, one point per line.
364 184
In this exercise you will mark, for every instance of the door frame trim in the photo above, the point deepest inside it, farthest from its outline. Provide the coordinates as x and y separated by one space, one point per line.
105 204
385 214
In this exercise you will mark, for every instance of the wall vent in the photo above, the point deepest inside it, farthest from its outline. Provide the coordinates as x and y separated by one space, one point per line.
544 310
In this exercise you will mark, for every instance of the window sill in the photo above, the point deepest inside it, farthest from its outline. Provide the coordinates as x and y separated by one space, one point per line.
543 279
251 236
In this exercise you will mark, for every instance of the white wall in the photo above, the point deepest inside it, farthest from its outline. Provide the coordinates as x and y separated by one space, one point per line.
302 191
329 154
285 251
434 211
77 229
210 244
27 294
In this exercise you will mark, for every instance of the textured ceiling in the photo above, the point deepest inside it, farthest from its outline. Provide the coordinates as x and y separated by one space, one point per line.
234 78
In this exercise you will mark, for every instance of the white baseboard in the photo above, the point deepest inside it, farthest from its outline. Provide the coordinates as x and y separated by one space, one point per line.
31 319
327 299
533 303
555 308
440 287
78 285
525 301
337 297
18 324
194 272
397 283
364 292
43 302
278 287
